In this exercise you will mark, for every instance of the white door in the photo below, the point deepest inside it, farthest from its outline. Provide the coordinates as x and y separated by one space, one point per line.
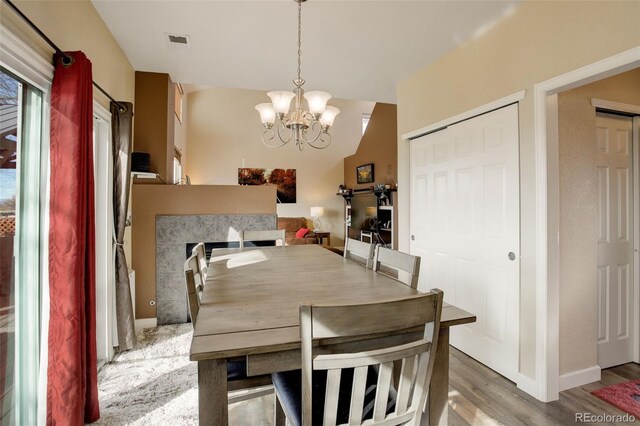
615 242
465 224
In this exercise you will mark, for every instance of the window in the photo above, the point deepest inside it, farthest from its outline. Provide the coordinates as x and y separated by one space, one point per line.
365 121
177 166
21 129
178 101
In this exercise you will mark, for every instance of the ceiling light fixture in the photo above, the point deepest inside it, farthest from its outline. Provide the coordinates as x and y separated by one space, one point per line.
304 126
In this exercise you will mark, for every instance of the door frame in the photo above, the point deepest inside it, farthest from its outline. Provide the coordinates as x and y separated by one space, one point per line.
105 268
617 107
548 210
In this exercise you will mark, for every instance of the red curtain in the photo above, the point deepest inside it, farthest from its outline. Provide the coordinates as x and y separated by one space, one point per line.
72 388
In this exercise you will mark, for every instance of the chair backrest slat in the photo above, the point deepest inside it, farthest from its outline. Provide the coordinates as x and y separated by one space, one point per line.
359 252
199 251
404 386
270 235
368 321
331 396
385 373
398 265
194 285
357 395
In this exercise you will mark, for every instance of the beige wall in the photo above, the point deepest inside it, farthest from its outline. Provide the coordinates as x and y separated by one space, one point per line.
540 40
224 132
155 118
578 214
378 146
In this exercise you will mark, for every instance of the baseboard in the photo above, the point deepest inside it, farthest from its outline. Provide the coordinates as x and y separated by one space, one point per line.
146 323
579 377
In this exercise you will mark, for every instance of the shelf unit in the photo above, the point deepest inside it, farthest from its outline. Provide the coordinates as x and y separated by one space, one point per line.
383 233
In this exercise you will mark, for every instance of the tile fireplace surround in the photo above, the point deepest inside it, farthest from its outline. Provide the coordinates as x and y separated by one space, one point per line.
172 235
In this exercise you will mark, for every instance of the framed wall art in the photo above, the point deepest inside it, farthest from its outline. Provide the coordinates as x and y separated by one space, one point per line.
283 179
364 173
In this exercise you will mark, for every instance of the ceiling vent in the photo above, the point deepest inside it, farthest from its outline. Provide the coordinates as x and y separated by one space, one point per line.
179 40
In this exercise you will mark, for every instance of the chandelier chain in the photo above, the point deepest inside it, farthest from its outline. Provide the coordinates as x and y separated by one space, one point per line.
299 35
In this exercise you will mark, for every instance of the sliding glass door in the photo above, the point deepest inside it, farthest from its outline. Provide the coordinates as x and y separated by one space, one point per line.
21 128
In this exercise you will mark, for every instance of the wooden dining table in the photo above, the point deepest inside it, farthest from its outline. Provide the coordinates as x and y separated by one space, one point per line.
250 309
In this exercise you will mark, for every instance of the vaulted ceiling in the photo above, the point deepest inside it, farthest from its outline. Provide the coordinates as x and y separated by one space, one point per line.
352 49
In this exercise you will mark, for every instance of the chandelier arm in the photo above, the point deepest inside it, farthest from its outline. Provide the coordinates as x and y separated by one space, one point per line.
314 126
324 137
279 129
272 137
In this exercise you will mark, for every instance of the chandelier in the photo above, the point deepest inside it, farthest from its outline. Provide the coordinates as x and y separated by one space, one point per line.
310 126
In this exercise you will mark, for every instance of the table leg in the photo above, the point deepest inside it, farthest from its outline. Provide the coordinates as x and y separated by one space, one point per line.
439 387
213 406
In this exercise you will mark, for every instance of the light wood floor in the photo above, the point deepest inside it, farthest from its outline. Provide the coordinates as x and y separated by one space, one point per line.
480 396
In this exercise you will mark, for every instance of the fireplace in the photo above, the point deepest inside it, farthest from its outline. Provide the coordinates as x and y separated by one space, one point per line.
176 236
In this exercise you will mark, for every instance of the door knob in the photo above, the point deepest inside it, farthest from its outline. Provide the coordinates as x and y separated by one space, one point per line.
413 238
512 255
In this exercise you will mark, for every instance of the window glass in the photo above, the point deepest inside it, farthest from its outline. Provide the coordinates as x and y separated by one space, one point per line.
365 121
10 97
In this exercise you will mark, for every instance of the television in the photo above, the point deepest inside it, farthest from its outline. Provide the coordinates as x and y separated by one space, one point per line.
364 216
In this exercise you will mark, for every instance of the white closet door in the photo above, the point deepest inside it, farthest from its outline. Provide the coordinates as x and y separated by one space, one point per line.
465 224
615 243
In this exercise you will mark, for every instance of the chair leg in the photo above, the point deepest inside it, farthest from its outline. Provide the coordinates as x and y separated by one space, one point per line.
279 418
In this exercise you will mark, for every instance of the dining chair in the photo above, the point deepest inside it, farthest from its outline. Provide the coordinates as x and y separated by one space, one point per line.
352 382
359 252
237 378
199 251
397 265
271 235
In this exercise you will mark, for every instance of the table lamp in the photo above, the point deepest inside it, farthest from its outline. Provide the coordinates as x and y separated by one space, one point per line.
316 212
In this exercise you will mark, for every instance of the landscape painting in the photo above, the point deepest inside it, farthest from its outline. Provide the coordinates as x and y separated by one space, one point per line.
283 179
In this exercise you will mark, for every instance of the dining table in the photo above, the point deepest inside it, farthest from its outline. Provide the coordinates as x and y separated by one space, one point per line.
250 310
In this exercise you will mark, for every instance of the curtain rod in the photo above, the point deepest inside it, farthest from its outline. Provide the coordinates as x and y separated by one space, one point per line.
56 48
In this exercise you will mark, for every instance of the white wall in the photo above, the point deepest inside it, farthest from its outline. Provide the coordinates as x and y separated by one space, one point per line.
224 134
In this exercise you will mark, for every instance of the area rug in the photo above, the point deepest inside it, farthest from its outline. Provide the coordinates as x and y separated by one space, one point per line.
156 384
625 396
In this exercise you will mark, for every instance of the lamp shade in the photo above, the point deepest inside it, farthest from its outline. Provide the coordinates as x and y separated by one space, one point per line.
281 101
329 115
317 101
317 211
267 114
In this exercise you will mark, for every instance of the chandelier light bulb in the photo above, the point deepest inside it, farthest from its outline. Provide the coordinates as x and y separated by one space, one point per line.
267 114
281 101
328 116
317 101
